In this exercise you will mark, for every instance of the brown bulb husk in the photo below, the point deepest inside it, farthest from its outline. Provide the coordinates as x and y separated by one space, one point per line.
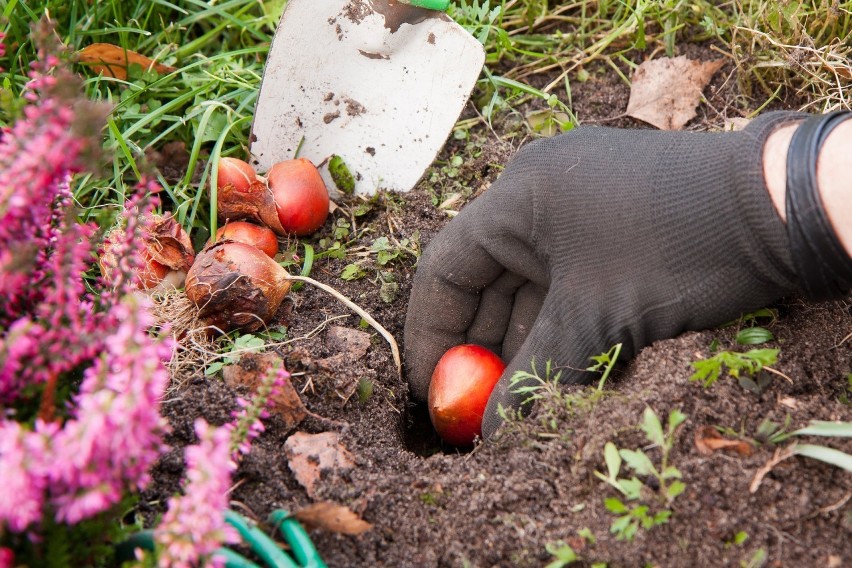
255 204
236 286
164 260
168 243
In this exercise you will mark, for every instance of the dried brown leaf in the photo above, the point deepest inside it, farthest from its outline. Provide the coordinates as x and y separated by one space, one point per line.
666 91
113 60
708 440
313 455
251 369
332 517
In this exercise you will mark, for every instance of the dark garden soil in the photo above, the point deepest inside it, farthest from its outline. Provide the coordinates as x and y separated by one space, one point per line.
504 503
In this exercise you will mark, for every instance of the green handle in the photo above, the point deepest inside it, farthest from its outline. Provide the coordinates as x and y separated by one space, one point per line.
261 544
234 560
440 5
300 543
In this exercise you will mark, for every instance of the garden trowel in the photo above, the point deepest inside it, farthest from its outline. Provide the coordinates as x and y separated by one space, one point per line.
379 83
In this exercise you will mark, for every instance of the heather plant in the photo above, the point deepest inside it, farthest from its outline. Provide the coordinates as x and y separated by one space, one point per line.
81 375
81 378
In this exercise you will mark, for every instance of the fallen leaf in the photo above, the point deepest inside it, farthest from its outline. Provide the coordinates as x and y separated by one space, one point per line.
332 517
708 440
249 371
665 92
113 60
313 455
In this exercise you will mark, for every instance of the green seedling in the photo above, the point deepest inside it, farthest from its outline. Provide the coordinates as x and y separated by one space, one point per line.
770 432
773 433
387 251
751 319
562 553
586 534
604 363
758 559
750 363
667 476
389 288
353 271
631 519
533 386
553 398
737 540
303 266
246 343
754 336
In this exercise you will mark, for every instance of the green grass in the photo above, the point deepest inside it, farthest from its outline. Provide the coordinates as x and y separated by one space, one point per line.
218 51
535 51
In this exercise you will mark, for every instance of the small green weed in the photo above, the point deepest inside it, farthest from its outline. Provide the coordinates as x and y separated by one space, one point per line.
562 553
751 363
758 559
553 398
604 363
630 520
773 433
754 336
769 432
387 251
668 477
737 540
752 319
246 343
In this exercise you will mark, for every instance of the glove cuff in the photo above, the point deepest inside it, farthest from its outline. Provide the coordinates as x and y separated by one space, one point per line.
820 260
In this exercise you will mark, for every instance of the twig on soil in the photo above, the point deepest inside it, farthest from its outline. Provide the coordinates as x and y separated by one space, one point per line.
831 508
361 312
780 455
236 485
779 373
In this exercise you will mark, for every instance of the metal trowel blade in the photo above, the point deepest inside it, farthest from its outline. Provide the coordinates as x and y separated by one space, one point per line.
376 82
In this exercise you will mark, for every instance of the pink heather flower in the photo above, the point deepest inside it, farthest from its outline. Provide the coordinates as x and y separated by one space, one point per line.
248 424
22 469
83 467
50 325
194 527
116 435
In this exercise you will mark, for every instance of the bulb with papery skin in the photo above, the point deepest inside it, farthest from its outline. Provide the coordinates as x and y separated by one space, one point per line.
236 286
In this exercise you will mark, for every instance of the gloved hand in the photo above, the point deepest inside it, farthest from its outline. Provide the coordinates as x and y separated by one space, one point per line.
597 237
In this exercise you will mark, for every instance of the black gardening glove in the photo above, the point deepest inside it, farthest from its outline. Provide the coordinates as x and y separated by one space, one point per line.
597 237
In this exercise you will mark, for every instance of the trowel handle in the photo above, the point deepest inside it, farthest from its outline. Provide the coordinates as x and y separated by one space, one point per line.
440 5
